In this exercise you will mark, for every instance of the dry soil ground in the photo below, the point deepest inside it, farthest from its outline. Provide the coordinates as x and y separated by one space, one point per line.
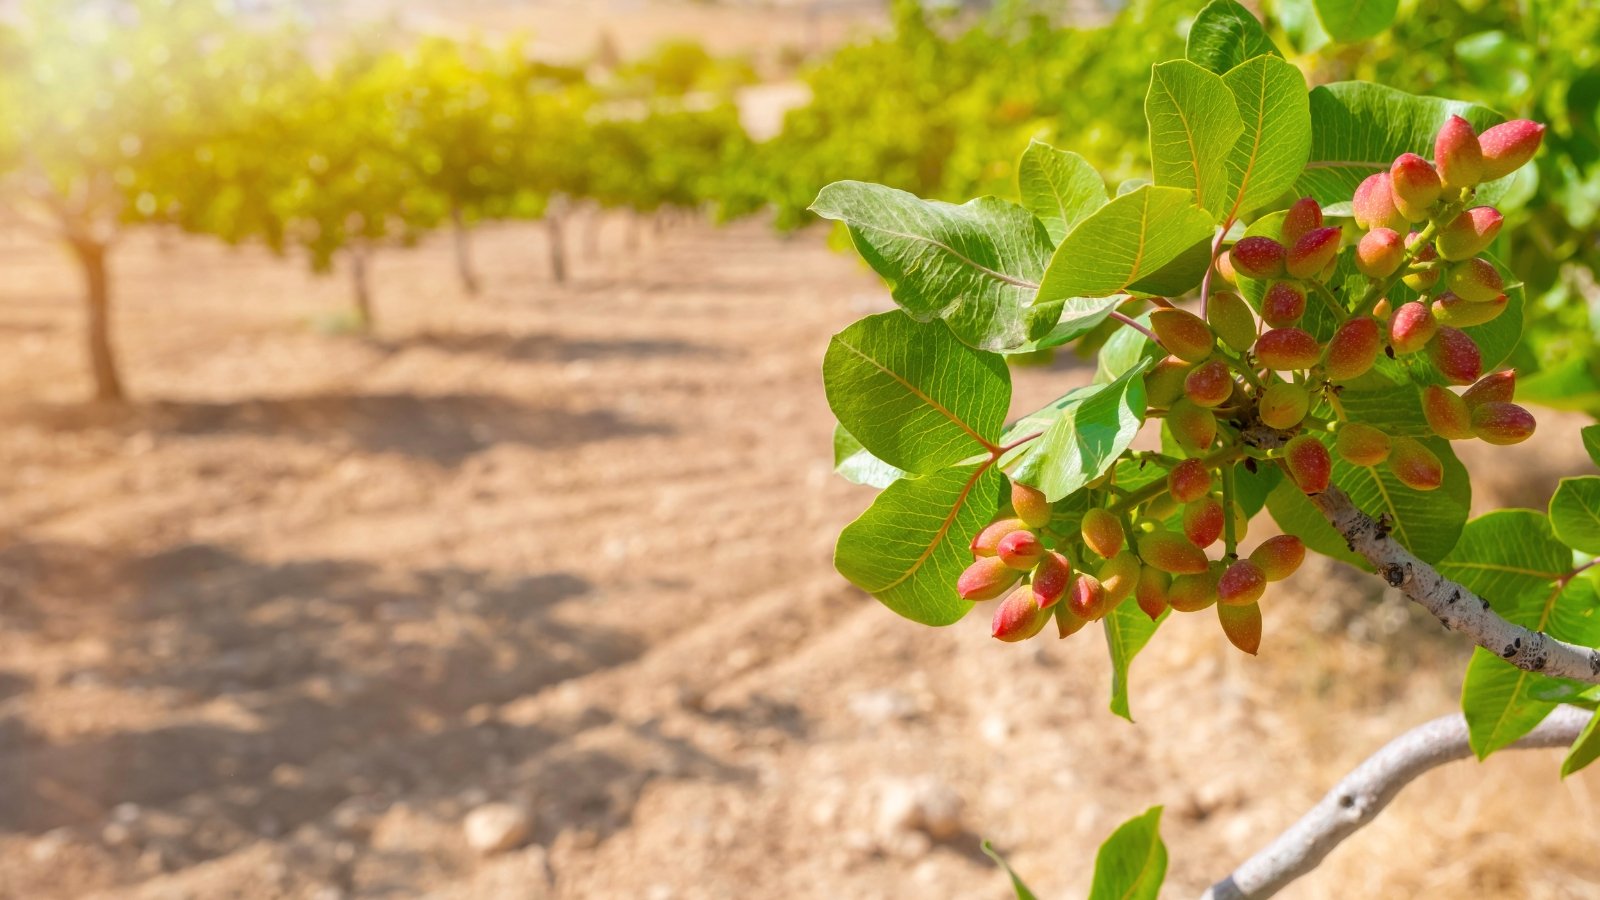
275 628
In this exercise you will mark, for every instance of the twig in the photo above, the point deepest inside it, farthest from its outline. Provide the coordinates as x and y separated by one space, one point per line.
1364 793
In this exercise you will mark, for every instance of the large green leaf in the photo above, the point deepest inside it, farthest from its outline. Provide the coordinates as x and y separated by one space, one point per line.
1358 128
856 464
1272 150
1591 442
1132 863
1128 239
913 395
1055 322
1086 437
1585 750
1356 20
1017 886
1225 34
911 544
976 265
1194 124
1127 630
1059 187
1505 555
1575 513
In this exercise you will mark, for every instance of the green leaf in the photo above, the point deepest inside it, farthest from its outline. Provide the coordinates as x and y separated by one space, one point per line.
1495 702
913 395
1180 276
1125 349
1132 863
1272 150
1585 750
1070 319
1017 887
1505 555
1359 128
1127 629
910 545
1194 123
1356 20
857 465
1591 442
1226 34
976 265
1059 187
1087 437
1575 513
1127 239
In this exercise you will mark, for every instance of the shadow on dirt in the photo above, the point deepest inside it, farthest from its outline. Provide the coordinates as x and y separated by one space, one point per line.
544 347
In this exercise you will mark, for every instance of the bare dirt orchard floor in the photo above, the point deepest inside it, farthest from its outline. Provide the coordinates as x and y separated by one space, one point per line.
276 628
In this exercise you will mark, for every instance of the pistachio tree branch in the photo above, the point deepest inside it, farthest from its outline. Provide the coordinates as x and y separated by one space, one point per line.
1458 608
1364 793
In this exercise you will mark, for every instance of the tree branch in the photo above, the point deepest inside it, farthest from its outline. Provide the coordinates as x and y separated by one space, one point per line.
1364 793
1454 605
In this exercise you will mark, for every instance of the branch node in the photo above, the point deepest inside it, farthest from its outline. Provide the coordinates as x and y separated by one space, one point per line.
1395 574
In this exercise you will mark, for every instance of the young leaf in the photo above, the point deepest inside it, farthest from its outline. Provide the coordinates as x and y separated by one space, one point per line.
1591 442
1132 863
1585 750
976 265
1356 20
1059 187
1575 513
857 465
1127 239
1272 150
913 395
1017 887
1361 127
1194 123
910 545
1086 438
1225 34
1127 629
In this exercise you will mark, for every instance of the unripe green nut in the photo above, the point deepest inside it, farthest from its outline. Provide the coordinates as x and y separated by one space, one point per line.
1476 280
1020 550
1230 317
1164 384
1456 355
1446 413
1283 304
1087 599
1184 334
1208 384
1411 328
1415 465
1373 204
1030 505
1171 553
1308 463
1416 186
1302 218
1193 427
1288 349
1242 584
1151 592
1353 349
1102 532
1067 624
1457 155
1497 387
1284 405
1380 252
1507 146
1160 508
1279 557
1469 234
1421 281
987 578
1501 423
1360 444
1242 625
987 541
1225 269
1119 575
1051 577
1189 481
1313 252
1018 617
1203 522
1257 257
1193 592
1458 313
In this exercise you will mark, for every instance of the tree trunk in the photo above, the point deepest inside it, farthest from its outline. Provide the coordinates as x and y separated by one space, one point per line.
363 291
458 228
558 247
97 293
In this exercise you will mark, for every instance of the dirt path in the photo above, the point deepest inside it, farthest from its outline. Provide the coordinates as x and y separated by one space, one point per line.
273 631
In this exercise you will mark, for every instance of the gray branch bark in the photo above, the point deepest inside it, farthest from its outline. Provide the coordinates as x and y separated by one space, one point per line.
1458 608
1364 793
